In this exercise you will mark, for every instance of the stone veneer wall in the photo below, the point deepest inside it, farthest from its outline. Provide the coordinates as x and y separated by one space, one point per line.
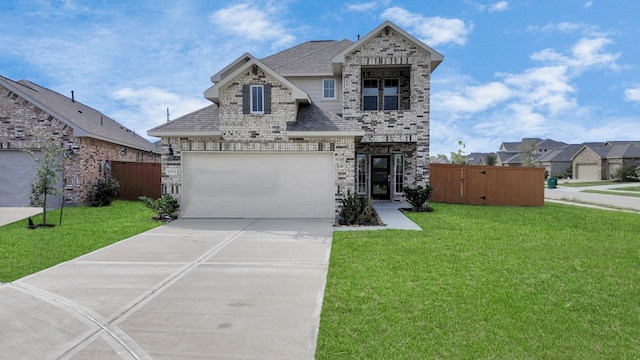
391 50
19 119
343 149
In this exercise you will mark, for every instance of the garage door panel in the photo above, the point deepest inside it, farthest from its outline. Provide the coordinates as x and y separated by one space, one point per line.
259 185
587 172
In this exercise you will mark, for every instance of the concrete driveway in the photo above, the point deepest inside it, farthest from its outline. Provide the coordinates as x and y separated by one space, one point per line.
192 289
9 215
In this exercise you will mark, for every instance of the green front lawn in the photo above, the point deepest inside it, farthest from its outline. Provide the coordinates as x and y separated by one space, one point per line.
482 282
84 229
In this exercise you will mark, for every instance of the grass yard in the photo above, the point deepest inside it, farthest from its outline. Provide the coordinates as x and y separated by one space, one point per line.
481 282
586 183
618 191
84 229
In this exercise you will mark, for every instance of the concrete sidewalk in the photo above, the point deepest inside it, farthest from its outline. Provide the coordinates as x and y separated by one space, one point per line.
192 289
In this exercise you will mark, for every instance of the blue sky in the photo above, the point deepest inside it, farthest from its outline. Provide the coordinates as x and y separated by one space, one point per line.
561 69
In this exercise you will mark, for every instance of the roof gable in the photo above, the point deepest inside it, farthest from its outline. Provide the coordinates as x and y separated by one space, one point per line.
436 57
213 93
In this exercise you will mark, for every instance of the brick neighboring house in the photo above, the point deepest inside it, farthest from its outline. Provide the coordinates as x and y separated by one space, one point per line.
91 138
599 161
587 161
291 134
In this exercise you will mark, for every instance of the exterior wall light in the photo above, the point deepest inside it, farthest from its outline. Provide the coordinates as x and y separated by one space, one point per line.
170 153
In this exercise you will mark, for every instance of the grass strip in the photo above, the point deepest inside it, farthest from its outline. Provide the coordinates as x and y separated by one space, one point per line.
587 183
84 229
481 282
618 192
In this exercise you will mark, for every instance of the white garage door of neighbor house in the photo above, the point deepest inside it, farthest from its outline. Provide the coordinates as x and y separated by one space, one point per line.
17 171
16 175
587 172
258 185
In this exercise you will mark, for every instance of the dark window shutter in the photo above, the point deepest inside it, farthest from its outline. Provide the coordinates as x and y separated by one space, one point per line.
246 100
267 98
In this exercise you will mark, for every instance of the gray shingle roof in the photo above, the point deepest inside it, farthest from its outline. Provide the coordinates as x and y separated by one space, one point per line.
86 121
312 118
311 57
203 120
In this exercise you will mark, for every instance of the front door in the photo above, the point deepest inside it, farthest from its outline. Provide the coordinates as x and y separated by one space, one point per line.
380 177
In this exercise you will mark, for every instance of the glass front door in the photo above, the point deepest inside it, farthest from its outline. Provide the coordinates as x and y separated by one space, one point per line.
380 177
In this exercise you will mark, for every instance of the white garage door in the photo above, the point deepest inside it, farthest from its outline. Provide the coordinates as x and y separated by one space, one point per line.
258 185
16 174
587 172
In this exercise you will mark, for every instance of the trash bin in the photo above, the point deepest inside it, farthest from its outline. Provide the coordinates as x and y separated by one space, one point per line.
552 183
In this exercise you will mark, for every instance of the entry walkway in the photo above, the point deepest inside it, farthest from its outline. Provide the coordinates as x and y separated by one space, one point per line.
192 289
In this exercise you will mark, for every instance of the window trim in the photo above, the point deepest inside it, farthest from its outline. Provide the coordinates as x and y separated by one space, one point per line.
260 103
325 88
398 159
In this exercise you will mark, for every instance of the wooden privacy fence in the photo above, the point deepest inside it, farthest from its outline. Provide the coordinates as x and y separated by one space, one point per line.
137 179
488 185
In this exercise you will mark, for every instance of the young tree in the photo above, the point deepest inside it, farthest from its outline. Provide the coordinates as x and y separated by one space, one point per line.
49 165
459 157
491 159
527 152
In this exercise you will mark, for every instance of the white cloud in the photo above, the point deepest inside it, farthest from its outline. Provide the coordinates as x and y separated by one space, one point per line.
433 31
473 99
147 107
632 94
499 6
250 22
588 4
362 7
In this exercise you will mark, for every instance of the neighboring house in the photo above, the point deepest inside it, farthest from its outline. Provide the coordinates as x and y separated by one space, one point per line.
600 161
477 158
91 139
556 162
510 152
291 134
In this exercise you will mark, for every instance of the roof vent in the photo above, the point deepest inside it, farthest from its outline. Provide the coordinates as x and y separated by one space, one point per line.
73 99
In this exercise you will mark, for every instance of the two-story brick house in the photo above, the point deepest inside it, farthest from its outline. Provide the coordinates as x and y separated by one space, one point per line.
291 134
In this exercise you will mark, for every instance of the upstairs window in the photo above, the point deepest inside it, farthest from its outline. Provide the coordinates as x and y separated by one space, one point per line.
391 98
329 89
256 99
370 94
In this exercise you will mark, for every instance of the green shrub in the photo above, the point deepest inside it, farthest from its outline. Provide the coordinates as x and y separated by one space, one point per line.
624 173
166 207
357 210
418 197
104 191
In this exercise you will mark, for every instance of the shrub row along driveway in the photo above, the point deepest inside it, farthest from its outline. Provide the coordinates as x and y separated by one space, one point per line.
195 288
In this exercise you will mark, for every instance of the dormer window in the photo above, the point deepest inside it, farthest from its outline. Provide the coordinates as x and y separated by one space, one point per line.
256 99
